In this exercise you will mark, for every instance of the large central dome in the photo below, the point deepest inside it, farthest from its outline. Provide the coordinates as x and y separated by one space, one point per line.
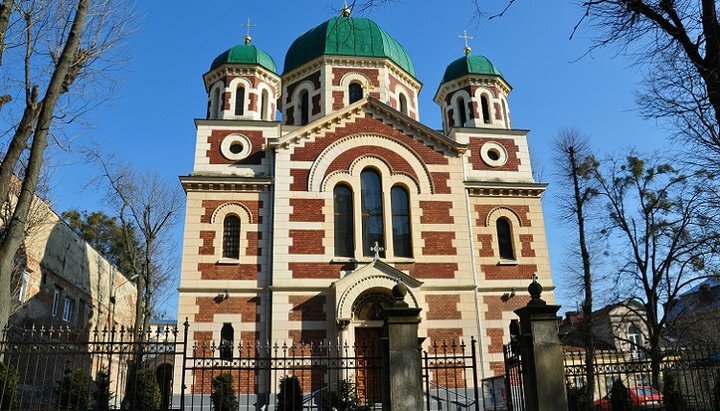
347 36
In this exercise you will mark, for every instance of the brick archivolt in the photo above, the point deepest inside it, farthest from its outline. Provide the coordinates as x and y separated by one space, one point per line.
366 283
231 208
317 181
502 211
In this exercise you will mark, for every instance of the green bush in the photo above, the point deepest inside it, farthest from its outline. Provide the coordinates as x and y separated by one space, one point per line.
344 398
672 397
102 395
9 379
223 395
620 397
74 390
144 393
290 395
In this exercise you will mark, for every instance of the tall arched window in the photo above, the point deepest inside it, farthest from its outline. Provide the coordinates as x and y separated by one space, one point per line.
231 237
355 92
403 104
240 101
462 115
227 334
401 221
304 107
485 109
505 116
505 242
215 104
264 105
344 231
372 214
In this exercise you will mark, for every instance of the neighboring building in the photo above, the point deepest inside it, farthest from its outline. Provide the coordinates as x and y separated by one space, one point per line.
694 317
297 229
62 281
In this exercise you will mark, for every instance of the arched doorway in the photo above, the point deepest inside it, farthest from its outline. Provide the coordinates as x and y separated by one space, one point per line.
368 311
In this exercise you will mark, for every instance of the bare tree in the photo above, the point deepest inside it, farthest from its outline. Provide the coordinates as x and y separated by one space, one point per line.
54 44
665 229
575 166
148 207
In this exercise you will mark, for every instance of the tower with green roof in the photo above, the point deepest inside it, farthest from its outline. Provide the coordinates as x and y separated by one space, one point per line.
473 93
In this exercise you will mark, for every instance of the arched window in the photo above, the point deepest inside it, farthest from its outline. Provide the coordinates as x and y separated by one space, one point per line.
403 104
505 116
344 232
485 109
227 334
215 104
355 92
372 214
505 243
264 105
462 115
240 101
231 237
304 107
401 221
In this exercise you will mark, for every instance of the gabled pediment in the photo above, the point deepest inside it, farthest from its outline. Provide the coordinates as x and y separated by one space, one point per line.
370 106
376 275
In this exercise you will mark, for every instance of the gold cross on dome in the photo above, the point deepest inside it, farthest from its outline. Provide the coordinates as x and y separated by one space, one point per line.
376 249
466 38
248 39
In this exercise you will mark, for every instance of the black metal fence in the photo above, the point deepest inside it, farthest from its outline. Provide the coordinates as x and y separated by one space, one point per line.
44 369
514 390
687 379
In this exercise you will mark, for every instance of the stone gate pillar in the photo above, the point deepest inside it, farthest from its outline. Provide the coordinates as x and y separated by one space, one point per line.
542 354
402 368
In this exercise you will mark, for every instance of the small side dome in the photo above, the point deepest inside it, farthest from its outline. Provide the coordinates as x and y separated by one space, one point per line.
347 36
468 64
245 54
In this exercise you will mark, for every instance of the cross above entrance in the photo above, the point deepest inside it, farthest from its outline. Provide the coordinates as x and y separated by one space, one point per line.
376 249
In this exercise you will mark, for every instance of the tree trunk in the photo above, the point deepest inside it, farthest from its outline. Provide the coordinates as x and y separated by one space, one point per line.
18 144
16 227
5 11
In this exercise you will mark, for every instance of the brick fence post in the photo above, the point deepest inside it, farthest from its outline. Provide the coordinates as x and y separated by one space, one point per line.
402 368
542 354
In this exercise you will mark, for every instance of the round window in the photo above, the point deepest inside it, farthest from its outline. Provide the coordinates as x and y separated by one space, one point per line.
235 147
493 154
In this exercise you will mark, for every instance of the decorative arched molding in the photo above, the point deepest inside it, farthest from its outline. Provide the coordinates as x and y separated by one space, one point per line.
215 97
318 181
353 77
307 86
467 99
503 211
231 208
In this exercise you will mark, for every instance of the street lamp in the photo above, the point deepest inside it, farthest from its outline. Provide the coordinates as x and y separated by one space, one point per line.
111 320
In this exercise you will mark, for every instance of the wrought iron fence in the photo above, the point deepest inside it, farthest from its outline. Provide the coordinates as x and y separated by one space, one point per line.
514 378
57 368
687 379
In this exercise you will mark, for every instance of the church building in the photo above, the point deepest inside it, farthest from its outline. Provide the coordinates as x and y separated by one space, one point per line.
316 188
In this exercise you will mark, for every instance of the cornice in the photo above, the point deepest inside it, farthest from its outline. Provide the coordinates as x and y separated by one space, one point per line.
504 189
224 183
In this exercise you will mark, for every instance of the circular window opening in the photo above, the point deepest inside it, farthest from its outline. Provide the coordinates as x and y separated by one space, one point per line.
235 147
493 154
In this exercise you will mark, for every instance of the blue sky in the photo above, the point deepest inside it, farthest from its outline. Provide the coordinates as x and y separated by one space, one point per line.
149 120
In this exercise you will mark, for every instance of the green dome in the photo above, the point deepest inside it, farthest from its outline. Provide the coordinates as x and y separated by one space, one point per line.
245 54
347 36
470 65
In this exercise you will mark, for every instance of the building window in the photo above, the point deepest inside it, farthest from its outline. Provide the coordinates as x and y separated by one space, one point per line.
56 302
355 92
227 334
462 114
403 104
485 109
215 104
505 243
635 339
372 211
264 105
505 115
231 237
240 101
344 232
304 107
68 309
22 286
401 221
